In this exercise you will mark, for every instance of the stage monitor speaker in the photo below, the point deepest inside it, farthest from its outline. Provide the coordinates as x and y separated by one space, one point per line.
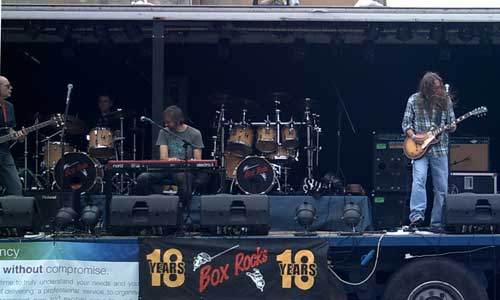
390 210
154 212
391 168
469 154
17 215
471 209
226 214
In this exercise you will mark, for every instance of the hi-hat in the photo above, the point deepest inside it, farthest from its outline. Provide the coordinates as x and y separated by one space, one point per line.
119 113
75 126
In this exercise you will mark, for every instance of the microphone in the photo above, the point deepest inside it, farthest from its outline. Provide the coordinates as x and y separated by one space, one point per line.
146 119
70 87
447 88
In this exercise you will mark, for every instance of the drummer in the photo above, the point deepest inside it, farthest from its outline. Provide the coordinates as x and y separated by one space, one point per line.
105 104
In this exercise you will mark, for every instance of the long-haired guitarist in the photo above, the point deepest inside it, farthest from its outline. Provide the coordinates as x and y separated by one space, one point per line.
9 177
430 107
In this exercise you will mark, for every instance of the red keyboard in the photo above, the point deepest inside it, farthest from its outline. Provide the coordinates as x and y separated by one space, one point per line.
159 165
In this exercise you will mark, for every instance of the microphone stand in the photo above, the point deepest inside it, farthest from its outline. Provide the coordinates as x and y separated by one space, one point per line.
186 172
341 108
63 129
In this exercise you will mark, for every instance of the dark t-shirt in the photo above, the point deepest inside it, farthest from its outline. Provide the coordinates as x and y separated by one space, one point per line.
176 145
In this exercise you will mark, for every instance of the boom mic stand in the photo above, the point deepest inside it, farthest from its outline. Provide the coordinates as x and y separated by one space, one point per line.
63 188
341 109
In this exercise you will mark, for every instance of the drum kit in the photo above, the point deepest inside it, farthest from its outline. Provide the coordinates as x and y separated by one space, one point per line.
258 156
81 171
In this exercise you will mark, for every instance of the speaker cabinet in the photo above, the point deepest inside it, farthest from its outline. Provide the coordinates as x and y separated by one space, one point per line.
391 168
390 210
17 215
471 209
143 212
469 154
224 211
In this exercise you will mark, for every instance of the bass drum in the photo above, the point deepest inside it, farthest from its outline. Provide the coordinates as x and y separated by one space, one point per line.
255 175
80 173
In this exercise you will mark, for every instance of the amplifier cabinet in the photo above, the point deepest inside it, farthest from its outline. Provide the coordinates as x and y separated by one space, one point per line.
469 154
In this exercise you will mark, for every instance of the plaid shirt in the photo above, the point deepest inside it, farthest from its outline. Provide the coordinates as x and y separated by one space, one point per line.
419 120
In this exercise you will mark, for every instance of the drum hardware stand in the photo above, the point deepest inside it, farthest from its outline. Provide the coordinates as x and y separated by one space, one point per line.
317 130
219 144
134 142
37 146
278 122
26 163
309 146
341 109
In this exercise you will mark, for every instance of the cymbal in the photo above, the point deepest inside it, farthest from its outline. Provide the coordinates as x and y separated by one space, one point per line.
119 113
279 95
74 126
246 103
220 98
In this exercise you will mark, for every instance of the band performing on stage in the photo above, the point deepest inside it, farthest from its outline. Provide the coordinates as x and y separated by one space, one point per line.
247 157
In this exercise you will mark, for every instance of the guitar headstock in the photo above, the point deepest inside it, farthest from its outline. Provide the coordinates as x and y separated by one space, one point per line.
479 111
58 120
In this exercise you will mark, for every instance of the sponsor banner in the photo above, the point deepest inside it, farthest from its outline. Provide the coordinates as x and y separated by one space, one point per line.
52 270
294 268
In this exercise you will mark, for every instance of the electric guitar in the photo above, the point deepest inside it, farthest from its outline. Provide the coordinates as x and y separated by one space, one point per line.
55 120
415 151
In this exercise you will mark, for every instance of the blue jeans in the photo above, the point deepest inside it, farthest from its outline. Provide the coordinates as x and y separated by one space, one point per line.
418 200
9 177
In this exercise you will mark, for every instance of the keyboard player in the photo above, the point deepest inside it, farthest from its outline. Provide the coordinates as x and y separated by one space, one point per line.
172 148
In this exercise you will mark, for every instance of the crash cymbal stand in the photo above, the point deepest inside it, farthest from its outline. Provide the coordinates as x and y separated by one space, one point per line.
49 164
122 139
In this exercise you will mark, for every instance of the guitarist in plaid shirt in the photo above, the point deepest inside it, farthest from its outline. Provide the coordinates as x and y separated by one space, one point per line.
430 107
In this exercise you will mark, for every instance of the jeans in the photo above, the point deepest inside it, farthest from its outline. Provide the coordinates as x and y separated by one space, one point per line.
418 200
9 177
145 181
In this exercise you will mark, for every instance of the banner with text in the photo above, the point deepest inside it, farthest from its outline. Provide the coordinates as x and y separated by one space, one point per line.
53 270
294 268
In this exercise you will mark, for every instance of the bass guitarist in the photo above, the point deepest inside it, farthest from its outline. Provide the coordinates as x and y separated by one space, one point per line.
9 177
430 107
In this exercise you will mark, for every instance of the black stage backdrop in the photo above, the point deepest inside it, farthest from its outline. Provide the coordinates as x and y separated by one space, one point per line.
294 268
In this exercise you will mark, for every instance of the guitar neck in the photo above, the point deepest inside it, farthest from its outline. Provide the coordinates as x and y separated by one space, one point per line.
448 126
10 137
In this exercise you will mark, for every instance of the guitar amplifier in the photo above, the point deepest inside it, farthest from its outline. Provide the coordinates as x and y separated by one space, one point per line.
469 154
391 168
478 183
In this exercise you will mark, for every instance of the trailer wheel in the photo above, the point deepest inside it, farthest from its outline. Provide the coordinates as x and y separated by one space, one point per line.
434 278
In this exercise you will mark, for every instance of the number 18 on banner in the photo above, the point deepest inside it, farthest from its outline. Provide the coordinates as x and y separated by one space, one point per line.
302 270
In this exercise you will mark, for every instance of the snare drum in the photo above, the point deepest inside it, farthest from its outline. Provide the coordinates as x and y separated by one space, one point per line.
289 137
266 139
240 140
80 173
232 160
255 175
52 153
101 142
